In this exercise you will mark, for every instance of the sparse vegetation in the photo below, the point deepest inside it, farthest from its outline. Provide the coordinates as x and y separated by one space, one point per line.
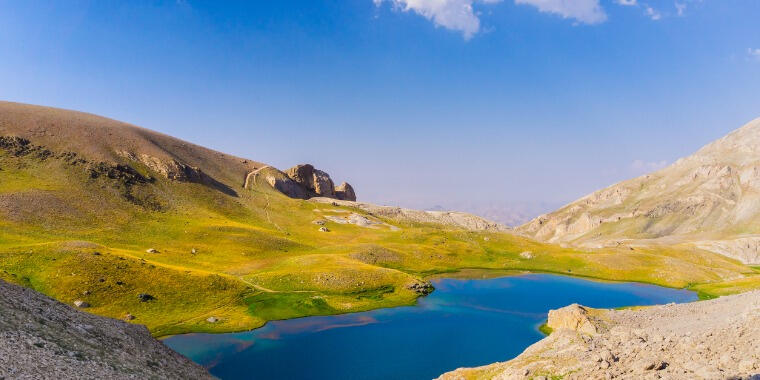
246 256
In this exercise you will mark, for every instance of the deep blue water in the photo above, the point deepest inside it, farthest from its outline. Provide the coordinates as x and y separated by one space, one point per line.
464 323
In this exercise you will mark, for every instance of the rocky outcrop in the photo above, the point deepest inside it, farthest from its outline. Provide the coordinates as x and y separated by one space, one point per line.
313 180
345 192
710 196
172 169
574 317
302 182
41 338
714 339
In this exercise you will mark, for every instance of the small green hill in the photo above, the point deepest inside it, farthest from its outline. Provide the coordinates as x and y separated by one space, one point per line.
100 211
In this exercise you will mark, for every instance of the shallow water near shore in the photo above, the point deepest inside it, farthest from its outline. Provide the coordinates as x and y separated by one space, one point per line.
464 323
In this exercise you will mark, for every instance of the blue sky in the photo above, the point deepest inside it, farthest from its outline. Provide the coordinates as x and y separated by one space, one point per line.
415 102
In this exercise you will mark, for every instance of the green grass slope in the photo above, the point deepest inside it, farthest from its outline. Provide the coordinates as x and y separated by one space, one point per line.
77 221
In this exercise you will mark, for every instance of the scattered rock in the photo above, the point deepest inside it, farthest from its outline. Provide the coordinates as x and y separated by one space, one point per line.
320 222
526 255
129 317
422 288
151 250
324 229
145 297
212 320
193 251
81 304
656 366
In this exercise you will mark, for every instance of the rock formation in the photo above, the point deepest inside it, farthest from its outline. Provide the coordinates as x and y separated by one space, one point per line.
710 200
345 192
313 180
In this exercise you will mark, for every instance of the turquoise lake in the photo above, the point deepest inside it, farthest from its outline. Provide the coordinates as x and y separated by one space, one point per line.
463 323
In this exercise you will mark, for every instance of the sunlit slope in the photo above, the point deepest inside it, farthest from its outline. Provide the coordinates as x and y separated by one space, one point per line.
78 226
709 200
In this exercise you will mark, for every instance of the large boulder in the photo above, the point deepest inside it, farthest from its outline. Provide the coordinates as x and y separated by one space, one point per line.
573 317
345 192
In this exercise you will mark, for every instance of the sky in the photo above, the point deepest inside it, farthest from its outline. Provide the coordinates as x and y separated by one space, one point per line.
414 102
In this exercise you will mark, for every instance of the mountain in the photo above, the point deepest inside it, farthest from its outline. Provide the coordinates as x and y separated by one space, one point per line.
143 227
41 338
709 200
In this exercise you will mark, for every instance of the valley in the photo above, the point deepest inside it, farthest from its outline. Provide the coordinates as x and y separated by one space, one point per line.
102 227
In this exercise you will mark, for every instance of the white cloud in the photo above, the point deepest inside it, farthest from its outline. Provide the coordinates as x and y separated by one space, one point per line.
642 167
627 2
460 16
680 8
754 54
652 13
451 14
585 11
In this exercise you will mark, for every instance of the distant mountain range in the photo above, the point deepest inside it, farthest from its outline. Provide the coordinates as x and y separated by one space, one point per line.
510 213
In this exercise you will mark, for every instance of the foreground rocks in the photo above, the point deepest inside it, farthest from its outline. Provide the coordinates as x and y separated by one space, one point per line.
716 339
41 338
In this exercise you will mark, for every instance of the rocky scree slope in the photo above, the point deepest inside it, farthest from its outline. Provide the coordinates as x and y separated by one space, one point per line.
41 338
714 339
710 200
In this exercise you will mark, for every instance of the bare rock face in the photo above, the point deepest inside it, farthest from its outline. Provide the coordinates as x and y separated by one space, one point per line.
345 192
313 183
172 169
323 185
316 181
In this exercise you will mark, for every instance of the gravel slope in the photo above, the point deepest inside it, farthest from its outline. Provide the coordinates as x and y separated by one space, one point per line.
41 338
716 339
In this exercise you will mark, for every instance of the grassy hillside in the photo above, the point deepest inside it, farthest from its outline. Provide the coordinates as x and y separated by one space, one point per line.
76 223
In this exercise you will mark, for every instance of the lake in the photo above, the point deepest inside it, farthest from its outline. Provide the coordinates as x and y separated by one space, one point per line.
463 323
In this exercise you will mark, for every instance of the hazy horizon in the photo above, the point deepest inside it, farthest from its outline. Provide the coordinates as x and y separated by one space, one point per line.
462 104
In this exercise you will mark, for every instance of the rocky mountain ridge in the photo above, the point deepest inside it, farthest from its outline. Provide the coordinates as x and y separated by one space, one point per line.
710 199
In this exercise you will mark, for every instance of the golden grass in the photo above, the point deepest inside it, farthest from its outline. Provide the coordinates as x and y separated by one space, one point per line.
258 256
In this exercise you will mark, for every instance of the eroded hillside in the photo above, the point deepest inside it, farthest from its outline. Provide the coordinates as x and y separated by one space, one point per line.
709 200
